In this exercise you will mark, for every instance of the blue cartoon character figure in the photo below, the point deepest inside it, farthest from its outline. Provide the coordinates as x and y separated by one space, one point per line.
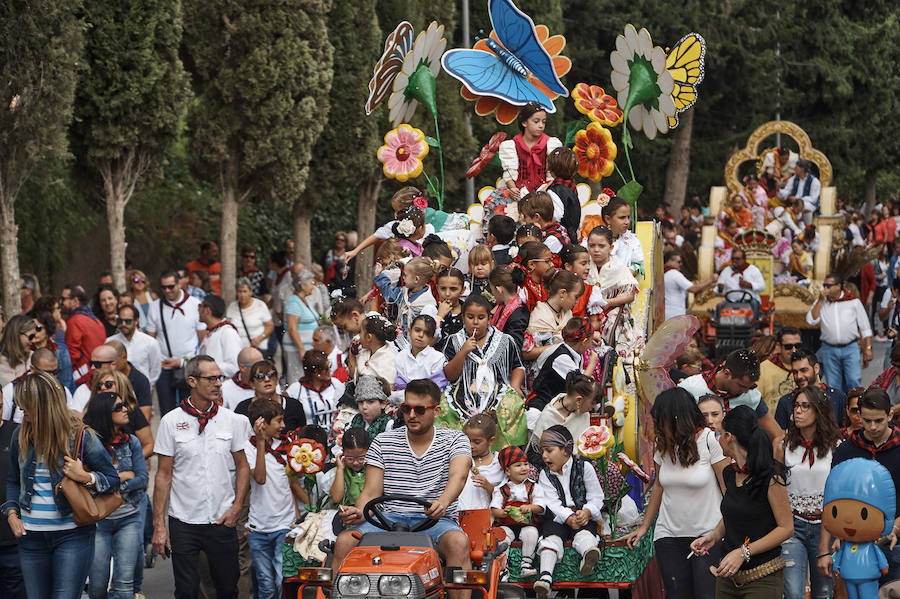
859 507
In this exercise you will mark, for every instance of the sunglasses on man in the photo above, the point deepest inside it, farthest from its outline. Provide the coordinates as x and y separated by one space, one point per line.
406 409
100 363
261 376
127 321
168 287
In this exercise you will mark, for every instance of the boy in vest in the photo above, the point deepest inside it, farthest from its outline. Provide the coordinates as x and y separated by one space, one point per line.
573 499
523 496
537 208
562 164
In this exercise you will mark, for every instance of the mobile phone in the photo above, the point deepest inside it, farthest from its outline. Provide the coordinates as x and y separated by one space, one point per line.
168 550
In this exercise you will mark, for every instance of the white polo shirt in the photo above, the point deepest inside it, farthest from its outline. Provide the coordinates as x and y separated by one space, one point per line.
202 488
841 323
181 327
731 280
271 504
233 394
677 286
143 353
223 345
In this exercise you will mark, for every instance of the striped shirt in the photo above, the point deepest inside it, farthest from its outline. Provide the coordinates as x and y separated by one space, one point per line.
424 476
43 515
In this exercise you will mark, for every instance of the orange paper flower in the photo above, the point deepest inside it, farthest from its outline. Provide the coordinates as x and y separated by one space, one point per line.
506 113
598 105
596 152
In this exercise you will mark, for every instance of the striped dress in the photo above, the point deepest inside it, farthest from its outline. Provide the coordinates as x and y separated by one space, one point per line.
43 515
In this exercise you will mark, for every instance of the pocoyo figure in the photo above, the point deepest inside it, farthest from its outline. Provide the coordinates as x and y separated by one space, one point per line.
859 508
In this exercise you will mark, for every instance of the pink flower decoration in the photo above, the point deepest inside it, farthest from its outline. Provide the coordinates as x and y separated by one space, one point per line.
402 153
420 202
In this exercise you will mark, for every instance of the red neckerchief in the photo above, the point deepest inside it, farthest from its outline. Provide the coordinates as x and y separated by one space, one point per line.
252 270
312 409
534 292
580 308
532 167
51 345
279 453
565 183
120 438
745 469
735 271
846 296
710 378
861 441
777 361
21 376
184 298
885 379
668 268
554 229
281 274
220 325
202 417
809 451
502 315
340 372
236 379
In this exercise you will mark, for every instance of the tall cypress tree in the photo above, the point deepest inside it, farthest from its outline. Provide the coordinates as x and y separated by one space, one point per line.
130 102
262 71
41 45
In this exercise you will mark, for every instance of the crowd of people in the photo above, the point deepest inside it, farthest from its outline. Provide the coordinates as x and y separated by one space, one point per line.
467 387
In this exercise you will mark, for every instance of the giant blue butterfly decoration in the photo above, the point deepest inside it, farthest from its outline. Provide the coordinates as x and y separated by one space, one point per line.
504 74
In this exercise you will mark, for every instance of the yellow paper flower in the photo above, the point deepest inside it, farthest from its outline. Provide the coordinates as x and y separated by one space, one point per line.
595 441
596 151
306 456
402 153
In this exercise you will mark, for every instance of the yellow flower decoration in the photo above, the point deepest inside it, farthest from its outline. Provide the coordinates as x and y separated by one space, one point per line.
597 104
402 153
306 456
596 151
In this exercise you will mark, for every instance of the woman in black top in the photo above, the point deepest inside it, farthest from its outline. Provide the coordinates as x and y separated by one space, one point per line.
756 513
264 380
510 314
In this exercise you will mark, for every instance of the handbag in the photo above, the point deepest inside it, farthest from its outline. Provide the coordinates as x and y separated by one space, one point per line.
179 378
86 508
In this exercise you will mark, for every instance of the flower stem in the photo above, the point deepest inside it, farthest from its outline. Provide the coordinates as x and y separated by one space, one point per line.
437 135
624 182
626 141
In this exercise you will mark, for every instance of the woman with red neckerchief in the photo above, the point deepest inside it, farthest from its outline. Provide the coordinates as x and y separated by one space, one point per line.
510 314
524 157
812 434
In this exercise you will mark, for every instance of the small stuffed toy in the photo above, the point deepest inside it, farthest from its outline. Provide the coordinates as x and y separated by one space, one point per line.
859 507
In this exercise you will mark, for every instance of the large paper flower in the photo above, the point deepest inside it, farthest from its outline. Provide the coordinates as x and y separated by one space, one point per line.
643 84
396 47
597 104
486 155
596 151
306 456
426 52
402 153
506 113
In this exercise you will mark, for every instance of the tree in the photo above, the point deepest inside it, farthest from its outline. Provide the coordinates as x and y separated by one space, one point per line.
262 72
130 102
40 53
344 156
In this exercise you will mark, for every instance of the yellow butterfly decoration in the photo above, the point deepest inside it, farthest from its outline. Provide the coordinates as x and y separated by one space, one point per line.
685 63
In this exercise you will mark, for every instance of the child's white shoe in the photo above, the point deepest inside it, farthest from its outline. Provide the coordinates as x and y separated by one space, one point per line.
542 586
527 569
589 560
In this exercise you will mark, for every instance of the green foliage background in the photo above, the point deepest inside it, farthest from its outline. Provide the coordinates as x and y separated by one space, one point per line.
829 66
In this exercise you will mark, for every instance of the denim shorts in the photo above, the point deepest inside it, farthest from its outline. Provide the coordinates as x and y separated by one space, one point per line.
443 526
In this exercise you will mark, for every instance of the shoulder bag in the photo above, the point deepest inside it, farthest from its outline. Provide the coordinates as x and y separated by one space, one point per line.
87 509
179 378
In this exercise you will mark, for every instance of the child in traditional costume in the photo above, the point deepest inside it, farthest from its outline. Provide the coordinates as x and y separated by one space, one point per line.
516 505
627 247
618 288
524 157
420 360
414 297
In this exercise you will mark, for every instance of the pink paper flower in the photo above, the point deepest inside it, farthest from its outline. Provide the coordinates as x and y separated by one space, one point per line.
402 153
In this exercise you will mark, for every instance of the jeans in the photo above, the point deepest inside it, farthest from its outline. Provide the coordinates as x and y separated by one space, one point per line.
168 395
122 540
219 543
443 526
265 549
841 365
12 585
799 553
146 536
686 578
55 564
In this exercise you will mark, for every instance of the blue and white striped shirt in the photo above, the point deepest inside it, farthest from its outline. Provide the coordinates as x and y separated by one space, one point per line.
43 515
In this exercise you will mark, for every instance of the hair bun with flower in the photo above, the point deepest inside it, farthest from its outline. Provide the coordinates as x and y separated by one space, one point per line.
406 227
420 202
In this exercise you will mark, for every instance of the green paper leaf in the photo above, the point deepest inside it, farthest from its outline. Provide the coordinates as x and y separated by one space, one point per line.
573 127
630 192
432 142
421 87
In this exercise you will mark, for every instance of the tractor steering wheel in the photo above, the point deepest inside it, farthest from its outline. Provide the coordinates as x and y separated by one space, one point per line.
374 516
742 295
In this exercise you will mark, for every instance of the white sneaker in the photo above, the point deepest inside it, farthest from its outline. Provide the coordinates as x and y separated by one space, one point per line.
590 559
527 572
542 587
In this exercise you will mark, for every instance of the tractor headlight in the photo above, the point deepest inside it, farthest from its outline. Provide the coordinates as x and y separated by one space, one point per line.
394 585
353 584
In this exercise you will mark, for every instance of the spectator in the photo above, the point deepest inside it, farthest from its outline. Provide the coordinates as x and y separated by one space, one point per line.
15 347
45 329
143 393
320 298
209 261
51 304
29 291
41 360
324 340
300 322
264 379
200 285
805 373
775 371
222 341
84 331
55 552
119 535
142 349
678 286
140 290
103 359
105 306
333 261
175 322
202 511
11 582
239 387
257 280
251 316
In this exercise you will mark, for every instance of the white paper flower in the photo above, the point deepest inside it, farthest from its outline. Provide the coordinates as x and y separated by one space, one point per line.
406 227
603 199
639 75
427 49
513 251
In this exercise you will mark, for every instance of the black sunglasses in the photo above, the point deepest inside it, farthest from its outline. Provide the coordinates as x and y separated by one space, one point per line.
119 407
168 286
249 256
261 376
107 385
124 320
98 363
419 410
791 345
38 328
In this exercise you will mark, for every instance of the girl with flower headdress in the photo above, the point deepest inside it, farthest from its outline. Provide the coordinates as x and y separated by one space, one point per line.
413 297
377 355
618 288
409 229
485 373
